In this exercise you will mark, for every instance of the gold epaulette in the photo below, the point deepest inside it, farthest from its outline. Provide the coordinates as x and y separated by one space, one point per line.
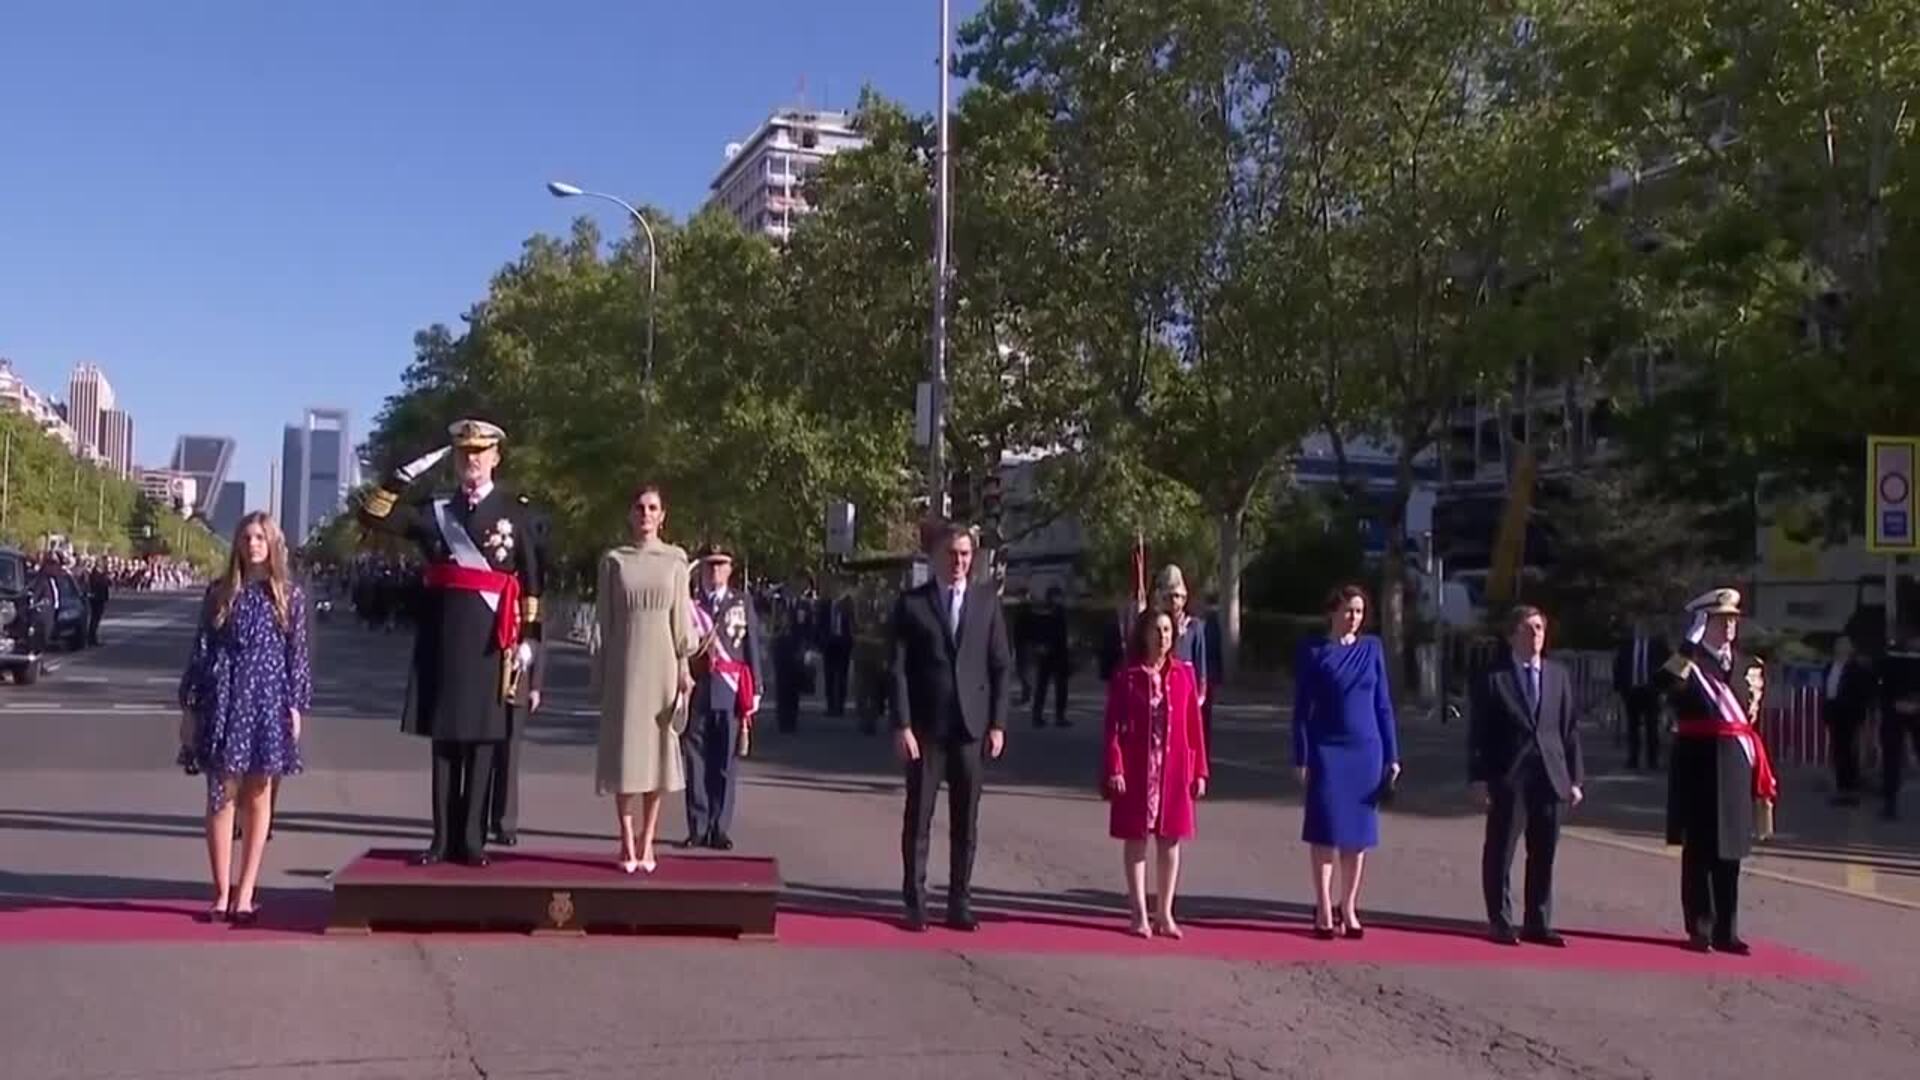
380 502
1678 666
529 609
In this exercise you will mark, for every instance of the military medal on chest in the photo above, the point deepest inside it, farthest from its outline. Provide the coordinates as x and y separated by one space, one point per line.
499 542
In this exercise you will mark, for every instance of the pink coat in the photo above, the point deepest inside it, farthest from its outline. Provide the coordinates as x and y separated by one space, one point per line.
1129 717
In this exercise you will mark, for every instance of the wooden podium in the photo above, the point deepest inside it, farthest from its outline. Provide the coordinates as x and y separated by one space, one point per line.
557 893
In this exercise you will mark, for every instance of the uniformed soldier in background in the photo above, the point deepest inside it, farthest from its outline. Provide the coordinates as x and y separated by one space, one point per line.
477 627
728 669
1720 779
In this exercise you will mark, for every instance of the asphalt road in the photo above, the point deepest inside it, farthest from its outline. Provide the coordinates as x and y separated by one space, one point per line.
102 974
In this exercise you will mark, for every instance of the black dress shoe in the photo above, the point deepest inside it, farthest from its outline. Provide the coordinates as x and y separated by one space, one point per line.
721 842
429 857
916 921
475 859
1503 935
1544 937
1699 944
1733 946
692 842
506 838
963 921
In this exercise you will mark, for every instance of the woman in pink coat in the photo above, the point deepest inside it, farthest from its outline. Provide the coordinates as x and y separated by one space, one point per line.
1156 764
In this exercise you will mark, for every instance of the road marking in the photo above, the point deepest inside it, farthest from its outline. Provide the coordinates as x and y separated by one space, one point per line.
1662 851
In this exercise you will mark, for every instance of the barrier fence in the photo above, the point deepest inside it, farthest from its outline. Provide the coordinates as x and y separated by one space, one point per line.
1790 720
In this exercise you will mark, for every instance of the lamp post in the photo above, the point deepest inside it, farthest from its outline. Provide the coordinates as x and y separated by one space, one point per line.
937 375
562 190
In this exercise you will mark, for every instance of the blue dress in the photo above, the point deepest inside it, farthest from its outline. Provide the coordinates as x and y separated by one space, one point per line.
241 683
1343 734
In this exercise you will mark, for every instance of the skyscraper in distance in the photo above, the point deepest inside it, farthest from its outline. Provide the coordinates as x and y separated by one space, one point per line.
116 440
206 458
316 468
88 395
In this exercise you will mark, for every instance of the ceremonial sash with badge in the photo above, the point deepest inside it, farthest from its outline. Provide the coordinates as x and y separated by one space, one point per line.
1729 722
469 572
715 653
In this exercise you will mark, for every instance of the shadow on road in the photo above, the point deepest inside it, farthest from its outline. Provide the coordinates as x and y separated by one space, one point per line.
1081 908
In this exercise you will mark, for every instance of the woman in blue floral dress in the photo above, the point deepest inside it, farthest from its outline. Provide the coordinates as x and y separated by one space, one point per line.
242 697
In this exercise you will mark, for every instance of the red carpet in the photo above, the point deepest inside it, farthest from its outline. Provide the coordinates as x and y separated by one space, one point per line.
171 921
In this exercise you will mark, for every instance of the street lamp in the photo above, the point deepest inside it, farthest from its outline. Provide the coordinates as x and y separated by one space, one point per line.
937 362
561 190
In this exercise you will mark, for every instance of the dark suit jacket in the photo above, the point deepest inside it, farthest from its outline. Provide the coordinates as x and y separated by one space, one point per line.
1504 738
937 674
1657 653
1859 688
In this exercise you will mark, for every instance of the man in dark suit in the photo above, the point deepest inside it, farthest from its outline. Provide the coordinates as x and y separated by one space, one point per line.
1899 715
836 647
950 662
1523 760
1848 688
1635 664
1052 658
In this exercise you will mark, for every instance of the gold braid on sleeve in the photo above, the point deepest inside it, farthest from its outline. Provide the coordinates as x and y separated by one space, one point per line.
380 502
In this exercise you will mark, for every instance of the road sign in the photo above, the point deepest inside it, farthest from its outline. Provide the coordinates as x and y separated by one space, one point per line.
840 527
1892 528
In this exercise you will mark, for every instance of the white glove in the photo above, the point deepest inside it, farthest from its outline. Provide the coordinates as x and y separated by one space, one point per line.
524 654
411 471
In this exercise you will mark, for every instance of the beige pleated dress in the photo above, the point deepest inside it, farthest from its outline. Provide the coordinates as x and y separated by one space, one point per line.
643 633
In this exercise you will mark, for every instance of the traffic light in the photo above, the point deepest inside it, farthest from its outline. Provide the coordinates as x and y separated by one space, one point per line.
991 507
960 496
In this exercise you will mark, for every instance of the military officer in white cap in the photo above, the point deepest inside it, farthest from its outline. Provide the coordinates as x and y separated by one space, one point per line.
477 628
1720 783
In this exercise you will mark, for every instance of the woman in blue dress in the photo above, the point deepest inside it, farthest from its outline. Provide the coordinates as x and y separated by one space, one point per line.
1344 752
242 697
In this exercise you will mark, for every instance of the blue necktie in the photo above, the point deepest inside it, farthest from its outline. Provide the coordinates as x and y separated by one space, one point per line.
1533 689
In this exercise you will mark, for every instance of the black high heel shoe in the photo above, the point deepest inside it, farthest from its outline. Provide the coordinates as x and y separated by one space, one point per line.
241 920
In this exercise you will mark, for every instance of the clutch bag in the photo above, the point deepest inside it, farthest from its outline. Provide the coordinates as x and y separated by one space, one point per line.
679 718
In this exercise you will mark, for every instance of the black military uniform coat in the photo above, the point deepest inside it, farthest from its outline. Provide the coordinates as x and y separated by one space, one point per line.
454 693
1709 780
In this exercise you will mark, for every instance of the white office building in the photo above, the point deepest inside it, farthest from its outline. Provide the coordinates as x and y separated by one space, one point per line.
762 183
89 394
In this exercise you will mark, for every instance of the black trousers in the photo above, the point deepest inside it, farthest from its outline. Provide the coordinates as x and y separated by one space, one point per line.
1053 673
503 801
786 695
837 658
1642 708
1843 745
1516 809
1709 890
1896 733
94 614
707 752
462 784
960 762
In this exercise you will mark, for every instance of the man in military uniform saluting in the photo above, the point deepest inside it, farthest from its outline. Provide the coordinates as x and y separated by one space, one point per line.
1720 776
476 628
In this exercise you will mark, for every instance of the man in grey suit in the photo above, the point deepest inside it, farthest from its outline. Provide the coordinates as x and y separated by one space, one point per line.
950 661
1524 763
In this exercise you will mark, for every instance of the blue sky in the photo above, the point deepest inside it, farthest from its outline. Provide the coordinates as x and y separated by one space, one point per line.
240 209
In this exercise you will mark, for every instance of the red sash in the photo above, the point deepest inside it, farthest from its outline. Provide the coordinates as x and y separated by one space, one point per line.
506 617
1732 724
738 676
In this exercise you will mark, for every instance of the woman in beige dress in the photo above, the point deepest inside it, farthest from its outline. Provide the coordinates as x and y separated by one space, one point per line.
643 635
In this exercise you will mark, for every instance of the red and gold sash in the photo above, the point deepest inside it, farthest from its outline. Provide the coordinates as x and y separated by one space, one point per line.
1731 723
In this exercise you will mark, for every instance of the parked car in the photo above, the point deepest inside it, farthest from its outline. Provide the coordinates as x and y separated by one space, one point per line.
26 618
